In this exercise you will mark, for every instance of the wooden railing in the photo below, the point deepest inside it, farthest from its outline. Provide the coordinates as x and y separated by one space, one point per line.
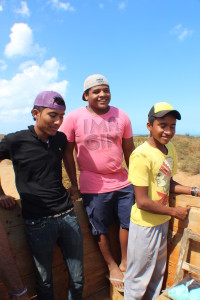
95 267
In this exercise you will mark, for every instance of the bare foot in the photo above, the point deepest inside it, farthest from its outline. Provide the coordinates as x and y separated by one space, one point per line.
116 277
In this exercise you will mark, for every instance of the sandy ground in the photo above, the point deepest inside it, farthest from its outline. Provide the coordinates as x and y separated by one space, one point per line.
8 180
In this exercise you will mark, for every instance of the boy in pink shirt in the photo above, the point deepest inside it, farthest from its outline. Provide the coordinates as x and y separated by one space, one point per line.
101 134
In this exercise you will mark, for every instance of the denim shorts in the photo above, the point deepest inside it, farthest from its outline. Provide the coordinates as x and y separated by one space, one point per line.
106 208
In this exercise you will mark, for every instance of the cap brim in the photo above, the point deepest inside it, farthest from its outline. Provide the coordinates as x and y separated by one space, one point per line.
165 112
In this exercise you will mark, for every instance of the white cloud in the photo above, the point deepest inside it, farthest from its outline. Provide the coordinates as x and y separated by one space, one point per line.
26 65
3 65
186 32
61 5
23 10
18 93
122 5
1 5
181 32
21 42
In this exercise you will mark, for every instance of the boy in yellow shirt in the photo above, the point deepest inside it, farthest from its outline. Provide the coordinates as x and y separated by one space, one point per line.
151 169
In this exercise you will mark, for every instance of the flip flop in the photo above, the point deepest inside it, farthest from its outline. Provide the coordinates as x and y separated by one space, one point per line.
116 280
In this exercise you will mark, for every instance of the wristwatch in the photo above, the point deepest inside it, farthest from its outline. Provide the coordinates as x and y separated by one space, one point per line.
194 191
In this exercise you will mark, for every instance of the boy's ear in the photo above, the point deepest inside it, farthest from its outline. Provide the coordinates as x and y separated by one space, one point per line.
149 126
86 96
35 113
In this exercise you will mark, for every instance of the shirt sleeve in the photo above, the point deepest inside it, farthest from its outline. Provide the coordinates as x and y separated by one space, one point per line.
67 128
139 169
4 149
128 133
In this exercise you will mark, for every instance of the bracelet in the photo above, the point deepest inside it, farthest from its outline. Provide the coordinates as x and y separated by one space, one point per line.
18 294
194 191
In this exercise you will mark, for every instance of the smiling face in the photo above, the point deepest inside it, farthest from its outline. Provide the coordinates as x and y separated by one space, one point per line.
162 130
98 98
48 121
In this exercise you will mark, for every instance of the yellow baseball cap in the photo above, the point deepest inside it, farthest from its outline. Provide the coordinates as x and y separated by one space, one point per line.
161 109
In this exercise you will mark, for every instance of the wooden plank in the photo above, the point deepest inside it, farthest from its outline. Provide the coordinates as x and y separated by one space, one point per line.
184 200
192 222
175 234
183 265
103 294
191 268
163 297
182 256
114 294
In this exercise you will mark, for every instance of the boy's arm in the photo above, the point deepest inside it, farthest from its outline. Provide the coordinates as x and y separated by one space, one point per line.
69 163
8 269
5 200
177 188
128 147
145 203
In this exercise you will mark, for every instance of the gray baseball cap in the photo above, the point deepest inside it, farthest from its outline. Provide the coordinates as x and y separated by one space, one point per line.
94 80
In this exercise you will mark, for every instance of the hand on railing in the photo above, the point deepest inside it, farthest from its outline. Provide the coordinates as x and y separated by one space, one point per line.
7 201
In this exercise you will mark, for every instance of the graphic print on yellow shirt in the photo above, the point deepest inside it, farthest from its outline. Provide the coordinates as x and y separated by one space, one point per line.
163 180
150 167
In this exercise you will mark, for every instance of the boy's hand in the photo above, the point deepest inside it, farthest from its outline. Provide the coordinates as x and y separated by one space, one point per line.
181 213
7 202
74 193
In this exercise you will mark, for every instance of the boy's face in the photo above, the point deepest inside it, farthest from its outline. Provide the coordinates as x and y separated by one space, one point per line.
98 98
163 129
48 121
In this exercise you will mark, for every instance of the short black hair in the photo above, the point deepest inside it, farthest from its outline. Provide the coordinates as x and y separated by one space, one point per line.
59 101
151 120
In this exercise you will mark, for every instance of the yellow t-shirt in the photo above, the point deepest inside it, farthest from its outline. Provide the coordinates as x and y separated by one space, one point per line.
149 167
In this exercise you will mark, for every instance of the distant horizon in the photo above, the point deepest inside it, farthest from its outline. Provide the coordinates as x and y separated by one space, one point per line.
136 134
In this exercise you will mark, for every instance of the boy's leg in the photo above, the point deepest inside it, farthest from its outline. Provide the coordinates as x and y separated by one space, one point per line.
71 243
156 282
123 237
114 271
143 251
100 208
41 236
125 200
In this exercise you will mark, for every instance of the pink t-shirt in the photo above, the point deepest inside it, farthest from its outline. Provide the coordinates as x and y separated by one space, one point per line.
98 148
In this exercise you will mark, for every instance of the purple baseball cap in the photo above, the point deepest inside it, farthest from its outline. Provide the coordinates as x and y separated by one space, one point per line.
48 98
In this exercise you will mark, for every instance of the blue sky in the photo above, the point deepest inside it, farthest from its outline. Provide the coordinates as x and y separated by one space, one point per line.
149 50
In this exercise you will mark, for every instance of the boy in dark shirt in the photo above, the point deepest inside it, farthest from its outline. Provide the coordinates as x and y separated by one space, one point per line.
47 208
